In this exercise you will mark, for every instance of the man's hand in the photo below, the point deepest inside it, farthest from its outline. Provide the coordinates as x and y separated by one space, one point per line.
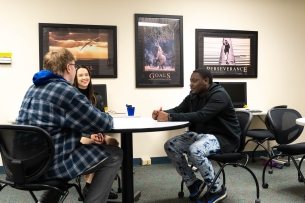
162 116
98 138
155 113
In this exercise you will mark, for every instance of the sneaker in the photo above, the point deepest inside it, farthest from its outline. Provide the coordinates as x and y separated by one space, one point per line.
214 197
196 189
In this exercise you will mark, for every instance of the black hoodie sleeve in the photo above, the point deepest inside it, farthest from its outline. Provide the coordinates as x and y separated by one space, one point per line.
183 107
203 110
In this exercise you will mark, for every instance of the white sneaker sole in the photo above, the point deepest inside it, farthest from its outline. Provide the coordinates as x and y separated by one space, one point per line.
221 198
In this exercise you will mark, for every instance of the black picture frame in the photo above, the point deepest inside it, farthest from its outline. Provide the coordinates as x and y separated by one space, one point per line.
236 60
159 50
94 46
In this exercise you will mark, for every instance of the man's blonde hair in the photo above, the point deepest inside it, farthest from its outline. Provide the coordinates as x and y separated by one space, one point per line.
56 60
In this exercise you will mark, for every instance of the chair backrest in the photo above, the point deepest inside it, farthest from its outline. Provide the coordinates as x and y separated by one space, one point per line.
244 119
101 89
283 122
26 151
267 122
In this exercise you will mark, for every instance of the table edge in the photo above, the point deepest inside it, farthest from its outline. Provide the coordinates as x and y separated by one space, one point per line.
152 129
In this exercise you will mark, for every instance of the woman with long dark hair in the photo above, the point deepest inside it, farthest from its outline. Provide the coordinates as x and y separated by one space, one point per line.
83 83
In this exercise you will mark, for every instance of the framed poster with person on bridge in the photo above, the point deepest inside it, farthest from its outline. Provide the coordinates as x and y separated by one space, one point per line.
227 53
159 50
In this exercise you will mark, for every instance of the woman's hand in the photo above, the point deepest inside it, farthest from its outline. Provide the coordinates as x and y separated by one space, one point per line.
98 138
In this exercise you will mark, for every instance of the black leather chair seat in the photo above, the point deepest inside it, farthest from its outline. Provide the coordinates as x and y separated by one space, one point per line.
292 149
227 157
36 185
260 134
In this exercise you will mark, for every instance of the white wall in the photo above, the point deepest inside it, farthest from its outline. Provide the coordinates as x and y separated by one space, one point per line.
280 25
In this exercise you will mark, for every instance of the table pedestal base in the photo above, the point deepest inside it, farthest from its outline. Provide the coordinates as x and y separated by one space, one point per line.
128 195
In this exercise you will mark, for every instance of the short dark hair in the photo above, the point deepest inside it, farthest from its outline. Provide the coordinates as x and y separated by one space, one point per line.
205 73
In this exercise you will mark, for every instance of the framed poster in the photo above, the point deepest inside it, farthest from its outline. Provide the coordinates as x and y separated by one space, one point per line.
94 46
159 50
227 53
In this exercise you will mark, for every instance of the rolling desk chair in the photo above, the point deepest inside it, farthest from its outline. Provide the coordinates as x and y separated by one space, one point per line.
226 159
286 131
259 136
27 152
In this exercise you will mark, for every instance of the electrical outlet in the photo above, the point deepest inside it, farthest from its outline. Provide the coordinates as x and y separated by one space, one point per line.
146 161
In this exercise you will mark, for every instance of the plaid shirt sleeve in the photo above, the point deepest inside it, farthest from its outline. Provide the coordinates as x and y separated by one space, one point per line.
84 117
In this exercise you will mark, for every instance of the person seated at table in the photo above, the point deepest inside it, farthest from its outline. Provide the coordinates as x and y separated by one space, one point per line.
83 83
213 129
53 104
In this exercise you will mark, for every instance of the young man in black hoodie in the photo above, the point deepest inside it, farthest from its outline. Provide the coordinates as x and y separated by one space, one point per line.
213 129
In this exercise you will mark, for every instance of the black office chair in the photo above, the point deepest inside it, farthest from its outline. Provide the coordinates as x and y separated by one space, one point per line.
259 136
225 159
286 131
27 152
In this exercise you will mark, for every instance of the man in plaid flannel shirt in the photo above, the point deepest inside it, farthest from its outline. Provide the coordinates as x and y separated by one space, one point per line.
53 104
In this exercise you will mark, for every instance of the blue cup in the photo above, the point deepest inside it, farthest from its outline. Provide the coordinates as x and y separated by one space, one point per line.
130 111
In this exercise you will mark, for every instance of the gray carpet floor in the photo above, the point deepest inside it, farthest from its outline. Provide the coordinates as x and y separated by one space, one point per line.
160 183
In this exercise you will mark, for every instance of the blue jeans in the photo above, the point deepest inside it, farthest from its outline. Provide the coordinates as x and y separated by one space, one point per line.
197 147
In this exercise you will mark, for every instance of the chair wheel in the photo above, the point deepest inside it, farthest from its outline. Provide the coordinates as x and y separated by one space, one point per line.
265 185
180 194
300 179
270 171
286 164
257 201
253 160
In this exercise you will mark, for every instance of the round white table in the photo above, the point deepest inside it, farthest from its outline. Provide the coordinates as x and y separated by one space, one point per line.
127 126
300 121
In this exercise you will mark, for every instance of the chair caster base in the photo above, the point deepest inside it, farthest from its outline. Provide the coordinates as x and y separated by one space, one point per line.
270 171
180 194
265 185
257 201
